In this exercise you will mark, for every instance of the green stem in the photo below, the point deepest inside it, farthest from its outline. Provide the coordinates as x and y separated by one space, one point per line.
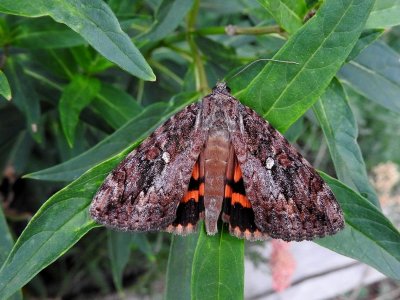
230 29
236 30
139 94
200 74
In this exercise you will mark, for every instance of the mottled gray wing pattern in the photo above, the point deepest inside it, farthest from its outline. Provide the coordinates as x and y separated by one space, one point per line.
144 191
289 199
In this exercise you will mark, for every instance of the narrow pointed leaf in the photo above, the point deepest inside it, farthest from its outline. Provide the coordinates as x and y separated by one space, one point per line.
340 129
179 270
385 14
74 98
6 244
218 266
366 39
95 22
375 74
61 221
169 15
5 89
287 13
368 235
283 92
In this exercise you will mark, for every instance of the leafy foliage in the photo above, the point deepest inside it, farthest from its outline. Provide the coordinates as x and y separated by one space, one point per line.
73 116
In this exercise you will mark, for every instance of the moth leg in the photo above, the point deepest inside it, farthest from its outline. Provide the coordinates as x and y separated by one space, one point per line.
237 209
190 206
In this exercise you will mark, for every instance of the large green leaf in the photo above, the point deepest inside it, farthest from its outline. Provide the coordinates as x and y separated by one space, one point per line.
56 227
287 13
218 266
375 75
74 98
95 22
368 236
384 14
340 129
283 92
169 15
136 129
179 271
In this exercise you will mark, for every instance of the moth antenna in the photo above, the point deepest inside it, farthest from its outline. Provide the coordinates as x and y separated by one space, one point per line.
264 59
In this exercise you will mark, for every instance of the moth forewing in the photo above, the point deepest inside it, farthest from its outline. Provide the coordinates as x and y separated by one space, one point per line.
218 158
142 193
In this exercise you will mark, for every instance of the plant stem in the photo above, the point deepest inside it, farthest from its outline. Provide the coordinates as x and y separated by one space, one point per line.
201 78
230 29
236 30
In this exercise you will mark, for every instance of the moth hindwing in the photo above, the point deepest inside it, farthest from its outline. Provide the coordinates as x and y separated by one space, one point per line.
218 159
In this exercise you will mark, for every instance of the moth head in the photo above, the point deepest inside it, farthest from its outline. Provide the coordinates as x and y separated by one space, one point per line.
221 88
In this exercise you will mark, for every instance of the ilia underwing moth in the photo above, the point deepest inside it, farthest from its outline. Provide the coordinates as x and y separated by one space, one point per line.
218 159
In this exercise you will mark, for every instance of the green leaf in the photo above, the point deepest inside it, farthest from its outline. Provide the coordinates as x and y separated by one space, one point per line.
75 97
136 129
95 22
384 14
119 249
48 39
5 89
218 266
115 106
6 241
367 37
287 13
56 227
6 244
340 129
179 270
24 96
283 92
169 15
374 74
368 236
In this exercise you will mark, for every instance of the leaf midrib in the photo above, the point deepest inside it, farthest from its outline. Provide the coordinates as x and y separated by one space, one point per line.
304 65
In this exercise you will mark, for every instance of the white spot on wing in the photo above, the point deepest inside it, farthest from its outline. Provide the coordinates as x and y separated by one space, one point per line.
269 163
166 157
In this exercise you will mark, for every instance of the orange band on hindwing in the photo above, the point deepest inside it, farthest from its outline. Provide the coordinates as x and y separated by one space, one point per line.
237 209
190 206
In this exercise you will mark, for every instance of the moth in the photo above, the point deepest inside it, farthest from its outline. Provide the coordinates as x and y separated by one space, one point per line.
218 159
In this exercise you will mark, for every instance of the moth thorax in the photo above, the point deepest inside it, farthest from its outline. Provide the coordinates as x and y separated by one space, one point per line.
216 155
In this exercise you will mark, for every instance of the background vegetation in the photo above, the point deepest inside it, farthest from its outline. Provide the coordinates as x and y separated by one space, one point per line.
78 95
